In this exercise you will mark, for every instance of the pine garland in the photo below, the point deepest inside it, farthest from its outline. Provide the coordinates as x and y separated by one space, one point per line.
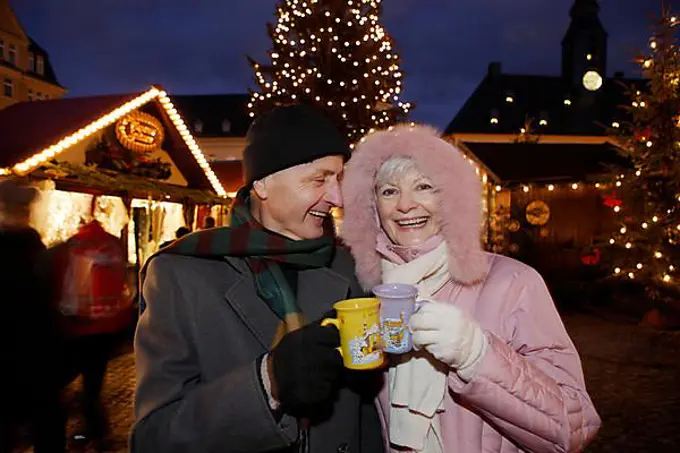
111 182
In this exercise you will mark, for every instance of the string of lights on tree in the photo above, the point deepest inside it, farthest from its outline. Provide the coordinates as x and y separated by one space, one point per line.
335 55
645 247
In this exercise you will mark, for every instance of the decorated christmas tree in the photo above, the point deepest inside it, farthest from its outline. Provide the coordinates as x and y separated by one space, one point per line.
645 247
335 55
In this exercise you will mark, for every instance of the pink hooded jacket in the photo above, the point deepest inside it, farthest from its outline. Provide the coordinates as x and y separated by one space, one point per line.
528 392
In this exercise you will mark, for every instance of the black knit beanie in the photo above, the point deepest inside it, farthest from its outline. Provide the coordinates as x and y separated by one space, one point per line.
289 136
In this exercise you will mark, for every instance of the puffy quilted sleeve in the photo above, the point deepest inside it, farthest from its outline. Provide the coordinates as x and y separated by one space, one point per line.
530 383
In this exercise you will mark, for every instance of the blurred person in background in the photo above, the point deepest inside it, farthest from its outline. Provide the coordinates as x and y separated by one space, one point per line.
90 271
31 346
181 232
209 222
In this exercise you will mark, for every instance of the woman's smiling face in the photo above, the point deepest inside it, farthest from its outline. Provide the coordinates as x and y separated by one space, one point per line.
408 207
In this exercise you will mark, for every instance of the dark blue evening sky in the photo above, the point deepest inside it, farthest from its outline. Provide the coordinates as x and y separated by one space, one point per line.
199 46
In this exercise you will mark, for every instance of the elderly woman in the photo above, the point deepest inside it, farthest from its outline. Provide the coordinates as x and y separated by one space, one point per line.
494 369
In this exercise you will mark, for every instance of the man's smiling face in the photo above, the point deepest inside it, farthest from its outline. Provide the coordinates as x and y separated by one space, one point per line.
296 201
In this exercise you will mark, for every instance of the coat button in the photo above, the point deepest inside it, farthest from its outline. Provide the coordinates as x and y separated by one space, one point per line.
343 448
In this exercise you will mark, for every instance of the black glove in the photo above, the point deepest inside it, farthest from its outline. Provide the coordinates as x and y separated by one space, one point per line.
307 368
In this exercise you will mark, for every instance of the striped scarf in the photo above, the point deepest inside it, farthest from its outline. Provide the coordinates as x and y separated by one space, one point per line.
262 251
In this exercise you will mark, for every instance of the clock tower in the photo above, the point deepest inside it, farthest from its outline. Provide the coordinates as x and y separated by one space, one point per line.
584 48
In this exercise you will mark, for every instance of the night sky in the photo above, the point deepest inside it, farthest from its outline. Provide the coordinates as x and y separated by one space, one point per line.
199 46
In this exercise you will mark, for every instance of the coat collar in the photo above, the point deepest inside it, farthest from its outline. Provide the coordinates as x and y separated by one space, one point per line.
318 290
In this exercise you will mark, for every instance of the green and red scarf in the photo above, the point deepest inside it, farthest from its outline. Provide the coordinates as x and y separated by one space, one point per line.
262 250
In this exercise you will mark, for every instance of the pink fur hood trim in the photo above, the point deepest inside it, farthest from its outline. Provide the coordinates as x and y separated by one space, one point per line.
460 194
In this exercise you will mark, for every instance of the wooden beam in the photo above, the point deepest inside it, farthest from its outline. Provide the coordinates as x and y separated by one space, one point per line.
544 139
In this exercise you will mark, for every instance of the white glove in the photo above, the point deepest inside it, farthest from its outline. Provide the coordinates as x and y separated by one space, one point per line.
450 336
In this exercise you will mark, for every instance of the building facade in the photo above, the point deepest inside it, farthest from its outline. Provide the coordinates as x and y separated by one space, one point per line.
26 73
543 143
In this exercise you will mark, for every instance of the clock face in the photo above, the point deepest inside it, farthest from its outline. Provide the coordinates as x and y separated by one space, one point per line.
592 81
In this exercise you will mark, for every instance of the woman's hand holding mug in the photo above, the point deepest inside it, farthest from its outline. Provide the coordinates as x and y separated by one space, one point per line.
451 336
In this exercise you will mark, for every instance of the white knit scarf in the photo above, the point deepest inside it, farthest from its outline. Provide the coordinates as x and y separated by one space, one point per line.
418 383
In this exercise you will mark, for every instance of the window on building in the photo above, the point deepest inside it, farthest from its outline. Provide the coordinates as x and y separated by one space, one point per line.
198 126
8 87
226 126
40 65
2 49
31 61
12 55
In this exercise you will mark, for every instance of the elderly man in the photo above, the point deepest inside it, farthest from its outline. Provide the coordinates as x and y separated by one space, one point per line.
230 353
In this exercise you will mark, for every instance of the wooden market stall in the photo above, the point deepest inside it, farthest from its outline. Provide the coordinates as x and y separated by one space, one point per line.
128 160
547 203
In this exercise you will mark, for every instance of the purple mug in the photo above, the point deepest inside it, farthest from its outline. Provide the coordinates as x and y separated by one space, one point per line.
397 304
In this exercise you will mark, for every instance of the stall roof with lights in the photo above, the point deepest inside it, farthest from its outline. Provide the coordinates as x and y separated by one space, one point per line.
529 162
28 127
33 133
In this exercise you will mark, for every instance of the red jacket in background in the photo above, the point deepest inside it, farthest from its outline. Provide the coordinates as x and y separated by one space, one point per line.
90 271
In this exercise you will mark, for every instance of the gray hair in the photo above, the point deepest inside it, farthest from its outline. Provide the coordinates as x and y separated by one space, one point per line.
394 168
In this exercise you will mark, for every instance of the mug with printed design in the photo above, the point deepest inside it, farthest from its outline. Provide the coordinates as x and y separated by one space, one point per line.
359 324
397 304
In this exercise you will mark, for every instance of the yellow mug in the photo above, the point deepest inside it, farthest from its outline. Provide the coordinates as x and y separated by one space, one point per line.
360 339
